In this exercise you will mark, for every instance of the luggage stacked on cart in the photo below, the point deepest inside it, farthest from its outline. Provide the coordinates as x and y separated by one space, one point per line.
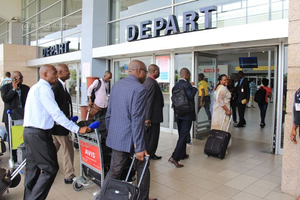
96 168
217 141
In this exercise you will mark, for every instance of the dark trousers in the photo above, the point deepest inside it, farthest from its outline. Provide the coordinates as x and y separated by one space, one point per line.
263 109
117 164
241 109
206 101
14 152
152 137
41 163
233 108
184 127
101 113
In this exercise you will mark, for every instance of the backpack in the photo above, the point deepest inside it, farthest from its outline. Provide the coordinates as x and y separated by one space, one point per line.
180 102
93 97
260 95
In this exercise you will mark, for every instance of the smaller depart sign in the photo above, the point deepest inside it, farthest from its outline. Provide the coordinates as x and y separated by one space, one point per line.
56 49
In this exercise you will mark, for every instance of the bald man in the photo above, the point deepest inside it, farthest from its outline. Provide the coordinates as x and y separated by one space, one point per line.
41 112
184 123
60 134
154 111
14 96
125 121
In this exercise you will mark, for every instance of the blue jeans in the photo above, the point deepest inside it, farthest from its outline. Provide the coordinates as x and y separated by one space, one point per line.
263 109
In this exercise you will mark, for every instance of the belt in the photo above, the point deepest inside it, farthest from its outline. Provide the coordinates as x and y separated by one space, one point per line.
37 128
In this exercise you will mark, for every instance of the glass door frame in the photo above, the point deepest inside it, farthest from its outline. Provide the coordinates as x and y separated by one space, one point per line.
280 80
197 54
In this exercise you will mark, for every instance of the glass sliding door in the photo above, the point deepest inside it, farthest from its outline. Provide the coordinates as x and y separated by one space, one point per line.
181 60
120 69
74 86
164 64
282 92
205 79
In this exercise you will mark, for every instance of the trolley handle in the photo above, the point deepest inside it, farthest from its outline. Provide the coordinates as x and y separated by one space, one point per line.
94 125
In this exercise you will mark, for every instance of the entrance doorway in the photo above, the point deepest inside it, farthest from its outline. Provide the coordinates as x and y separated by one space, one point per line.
205 78
213 63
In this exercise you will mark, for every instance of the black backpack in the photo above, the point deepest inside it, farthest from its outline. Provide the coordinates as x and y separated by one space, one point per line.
180 102
260 95
93 97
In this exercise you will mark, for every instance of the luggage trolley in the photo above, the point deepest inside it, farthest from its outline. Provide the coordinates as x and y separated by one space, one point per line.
11 178
15 137
91 158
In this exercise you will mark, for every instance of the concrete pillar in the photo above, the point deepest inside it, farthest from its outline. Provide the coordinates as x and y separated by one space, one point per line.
15 33
291 155
94 14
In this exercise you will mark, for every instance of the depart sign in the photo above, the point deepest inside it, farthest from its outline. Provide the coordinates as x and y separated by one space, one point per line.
56 49
170 26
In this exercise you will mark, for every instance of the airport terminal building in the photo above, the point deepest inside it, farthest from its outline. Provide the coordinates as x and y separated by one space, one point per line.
210 37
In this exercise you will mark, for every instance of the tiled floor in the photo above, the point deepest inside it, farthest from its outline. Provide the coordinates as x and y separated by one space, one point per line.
246 173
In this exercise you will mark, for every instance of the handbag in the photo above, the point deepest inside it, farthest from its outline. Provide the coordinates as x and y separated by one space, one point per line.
93 110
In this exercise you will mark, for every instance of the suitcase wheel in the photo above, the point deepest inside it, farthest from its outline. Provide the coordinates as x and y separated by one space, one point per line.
77 186
15 182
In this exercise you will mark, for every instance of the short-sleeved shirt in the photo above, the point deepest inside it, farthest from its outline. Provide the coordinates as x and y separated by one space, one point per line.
203 85
268 91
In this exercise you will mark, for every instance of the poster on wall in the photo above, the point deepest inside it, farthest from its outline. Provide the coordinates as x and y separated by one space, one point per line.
163 63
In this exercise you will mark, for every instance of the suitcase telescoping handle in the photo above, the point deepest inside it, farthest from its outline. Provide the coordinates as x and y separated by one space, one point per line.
144 169
224 122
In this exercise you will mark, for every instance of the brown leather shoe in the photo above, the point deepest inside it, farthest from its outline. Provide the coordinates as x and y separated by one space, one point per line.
176 163
186 156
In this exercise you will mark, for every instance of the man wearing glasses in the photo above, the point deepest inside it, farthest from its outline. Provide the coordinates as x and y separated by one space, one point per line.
14 97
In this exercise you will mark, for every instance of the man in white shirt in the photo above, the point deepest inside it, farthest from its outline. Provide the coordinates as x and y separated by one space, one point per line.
101 94
41 111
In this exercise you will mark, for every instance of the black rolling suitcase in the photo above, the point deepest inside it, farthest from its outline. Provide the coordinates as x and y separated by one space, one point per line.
115 189
217 141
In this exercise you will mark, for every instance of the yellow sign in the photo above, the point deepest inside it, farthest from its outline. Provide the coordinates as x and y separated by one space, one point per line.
260 68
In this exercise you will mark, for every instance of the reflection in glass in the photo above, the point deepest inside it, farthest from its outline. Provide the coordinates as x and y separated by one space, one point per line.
75 41
73 87
72 23
45 4
50 15
285 73
118 30
120 9
258 13
29 11
72 6
120 70
163 62
182 60
49 32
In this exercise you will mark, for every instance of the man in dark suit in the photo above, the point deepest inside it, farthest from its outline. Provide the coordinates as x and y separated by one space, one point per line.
154 111
184 123
60 134
125 121
243 95
14 96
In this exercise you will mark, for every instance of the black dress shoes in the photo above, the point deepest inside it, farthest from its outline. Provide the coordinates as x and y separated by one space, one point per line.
186 156
155 157
239 125
68 180
175 162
